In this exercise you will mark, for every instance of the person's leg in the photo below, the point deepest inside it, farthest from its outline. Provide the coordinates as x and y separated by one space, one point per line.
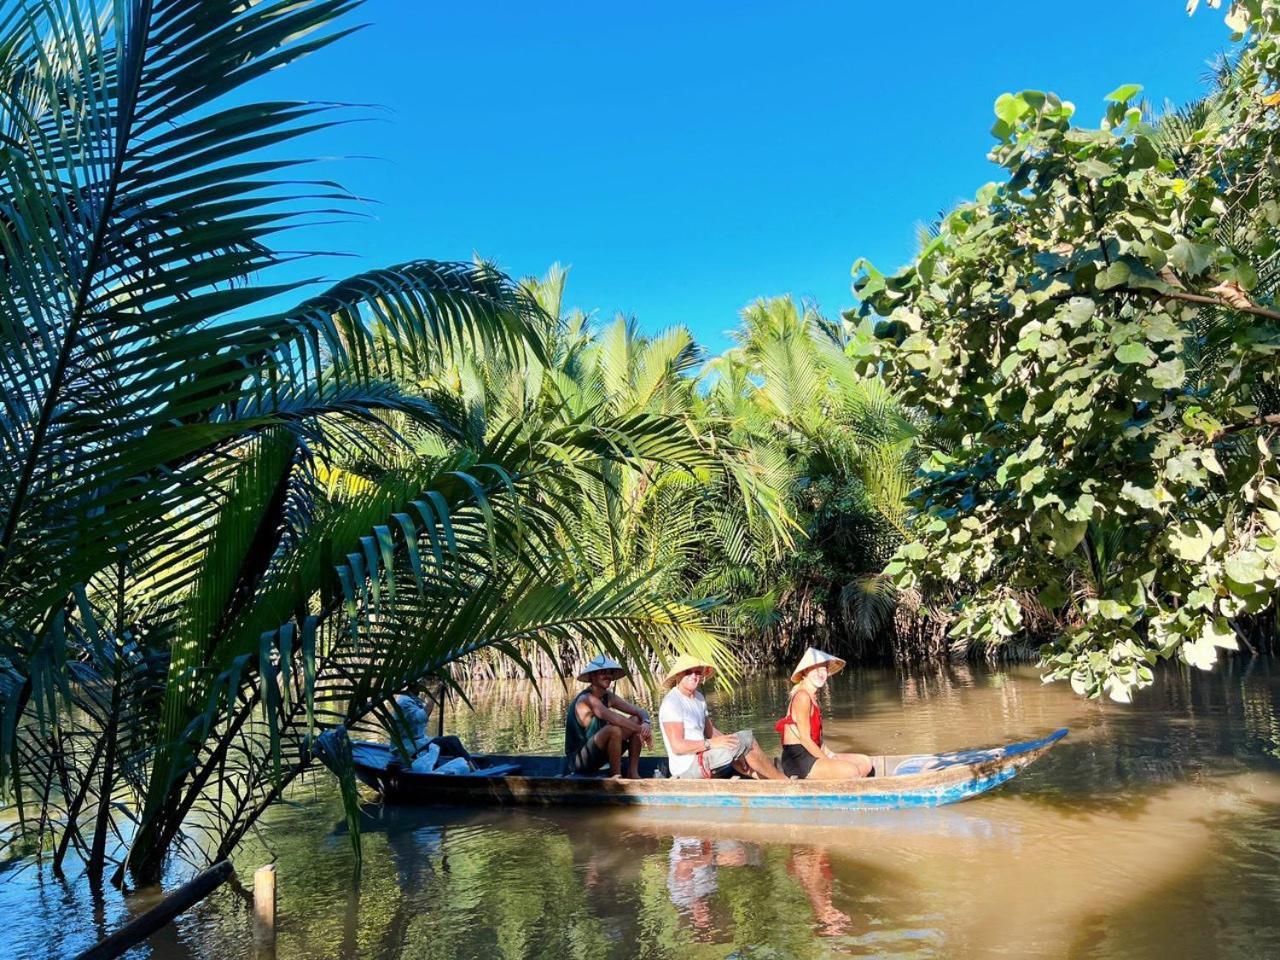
859 760
824 769
761 764
634 746
609 739
749 754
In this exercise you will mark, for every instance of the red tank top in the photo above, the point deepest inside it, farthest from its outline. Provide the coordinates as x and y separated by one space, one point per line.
815 719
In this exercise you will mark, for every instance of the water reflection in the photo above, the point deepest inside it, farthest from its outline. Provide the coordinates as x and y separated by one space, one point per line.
1150 832
692 881
691 878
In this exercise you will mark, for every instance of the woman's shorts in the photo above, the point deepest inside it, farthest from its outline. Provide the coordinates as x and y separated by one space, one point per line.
796 761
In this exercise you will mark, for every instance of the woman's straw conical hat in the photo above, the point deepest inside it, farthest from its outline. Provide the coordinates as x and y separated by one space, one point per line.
686 662
602 662
816 658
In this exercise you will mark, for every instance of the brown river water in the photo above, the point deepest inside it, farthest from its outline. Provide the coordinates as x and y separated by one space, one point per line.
1153 830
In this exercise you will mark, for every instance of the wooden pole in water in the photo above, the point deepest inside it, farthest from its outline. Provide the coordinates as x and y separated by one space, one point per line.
264 905
145 924
440 710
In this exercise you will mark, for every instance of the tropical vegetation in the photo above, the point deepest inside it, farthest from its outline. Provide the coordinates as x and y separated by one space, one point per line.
1092 344
784 532
226 527
239 516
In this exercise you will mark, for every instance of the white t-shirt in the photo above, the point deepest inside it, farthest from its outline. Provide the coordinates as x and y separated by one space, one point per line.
690 711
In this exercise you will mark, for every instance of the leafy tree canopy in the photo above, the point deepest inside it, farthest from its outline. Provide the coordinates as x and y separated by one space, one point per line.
1093 342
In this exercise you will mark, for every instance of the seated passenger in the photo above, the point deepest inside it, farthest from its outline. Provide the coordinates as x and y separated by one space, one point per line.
803 753
600 726
695 748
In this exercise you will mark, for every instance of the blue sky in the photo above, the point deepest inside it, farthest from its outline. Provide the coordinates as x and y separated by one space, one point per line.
685 158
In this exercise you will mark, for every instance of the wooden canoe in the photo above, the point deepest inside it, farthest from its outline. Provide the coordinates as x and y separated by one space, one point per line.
914 780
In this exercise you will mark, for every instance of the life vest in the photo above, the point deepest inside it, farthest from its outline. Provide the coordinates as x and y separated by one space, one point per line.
815 719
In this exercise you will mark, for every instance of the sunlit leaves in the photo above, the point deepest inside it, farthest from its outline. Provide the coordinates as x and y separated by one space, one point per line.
1093 326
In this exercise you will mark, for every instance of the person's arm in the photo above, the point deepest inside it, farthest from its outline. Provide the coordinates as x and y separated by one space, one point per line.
612 716
673 736
640 713
801 705
718 739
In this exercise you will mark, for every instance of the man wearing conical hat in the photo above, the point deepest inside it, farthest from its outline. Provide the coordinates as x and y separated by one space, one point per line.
695 748
599 726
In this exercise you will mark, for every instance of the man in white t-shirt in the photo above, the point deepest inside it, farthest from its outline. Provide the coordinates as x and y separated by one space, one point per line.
695 748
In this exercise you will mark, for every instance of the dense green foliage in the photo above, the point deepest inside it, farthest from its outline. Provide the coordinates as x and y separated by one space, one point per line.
227 527
224 530
1092 343
843 448
786 527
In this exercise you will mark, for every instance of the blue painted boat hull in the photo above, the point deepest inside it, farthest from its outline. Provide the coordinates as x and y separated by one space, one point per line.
901 782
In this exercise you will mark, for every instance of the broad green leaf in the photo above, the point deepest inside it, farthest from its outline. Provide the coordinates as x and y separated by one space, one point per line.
1245 567
1124 93
1135 352
1168 375
1190 257
1097 169
1113 609
1115 275
1009 108
1200 653
1142 496
1191 541
1218 632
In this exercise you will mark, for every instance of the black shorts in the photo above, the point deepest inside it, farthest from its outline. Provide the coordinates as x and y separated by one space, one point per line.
592 757
796 761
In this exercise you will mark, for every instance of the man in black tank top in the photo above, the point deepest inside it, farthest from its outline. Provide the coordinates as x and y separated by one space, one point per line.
600 726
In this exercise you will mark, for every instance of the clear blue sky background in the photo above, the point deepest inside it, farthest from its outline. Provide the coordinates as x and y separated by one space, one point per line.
685 158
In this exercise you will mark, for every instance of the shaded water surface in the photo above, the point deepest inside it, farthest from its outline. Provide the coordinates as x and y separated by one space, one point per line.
1152 831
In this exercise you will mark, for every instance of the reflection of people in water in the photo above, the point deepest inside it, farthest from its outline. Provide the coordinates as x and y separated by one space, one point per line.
812 869
691 876
692 880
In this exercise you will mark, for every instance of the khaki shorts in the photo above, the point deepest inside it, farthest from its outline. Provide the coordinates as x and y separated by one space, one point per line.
717 763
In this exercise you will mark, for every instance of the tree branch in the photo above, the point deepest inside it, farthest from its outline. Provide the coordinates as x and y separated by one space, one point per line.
1201 299
1265 420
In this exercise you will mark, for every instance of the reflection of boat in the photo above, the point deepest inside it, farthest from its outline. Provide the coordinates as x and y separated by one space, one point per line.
919 780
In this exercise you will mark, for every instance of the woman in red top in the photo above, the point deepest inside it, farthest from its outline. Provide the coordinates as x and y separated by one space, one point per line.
803 753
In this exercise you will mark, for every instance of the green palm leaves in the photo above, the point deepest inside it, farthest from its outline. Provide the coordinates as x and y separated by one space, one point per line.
224 527
843 448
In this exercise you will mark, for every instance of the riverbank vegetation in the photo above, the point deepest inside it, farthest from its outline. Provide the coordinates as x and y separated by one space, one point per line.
1093 344
229 525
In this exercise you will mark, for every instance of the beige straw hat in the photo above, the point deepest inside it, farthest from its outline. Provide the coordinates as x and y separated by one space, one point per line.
816 658
684 663
602 662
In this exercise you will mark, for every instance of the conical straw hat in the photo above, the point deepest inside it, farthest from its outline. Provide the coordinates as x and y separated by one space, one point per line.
602 662
683 663
816 658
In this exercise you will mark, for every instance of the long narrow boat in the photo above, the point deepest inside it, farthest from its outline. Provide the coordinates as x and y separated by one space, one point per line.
915 780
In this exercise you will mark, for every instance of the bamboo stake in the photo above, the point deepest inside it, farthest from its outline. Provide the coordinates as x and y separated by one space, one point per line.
264 905
440 695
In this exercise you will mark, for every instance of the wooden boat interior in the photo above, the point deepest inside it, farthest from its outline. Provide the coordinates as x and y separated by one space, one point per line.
381 756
